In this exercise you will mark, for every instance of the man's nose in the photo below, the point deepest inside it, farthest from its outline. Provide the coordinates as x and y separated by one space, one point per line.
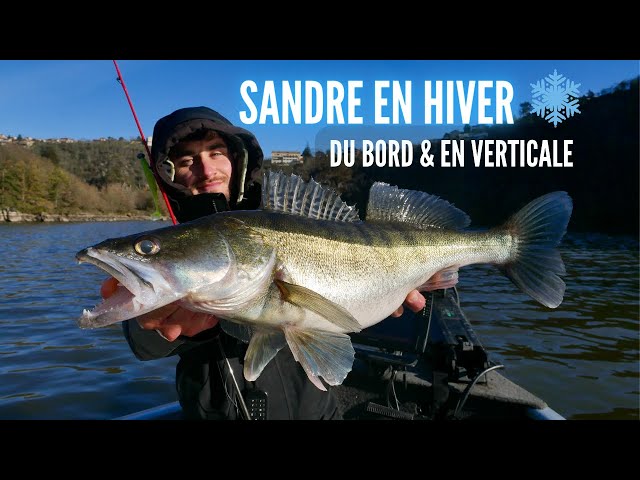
207 165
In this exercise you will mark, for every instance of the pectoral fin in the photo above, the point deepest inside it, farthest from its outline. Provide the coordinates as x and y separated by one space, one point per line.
308 299
322 354
261 350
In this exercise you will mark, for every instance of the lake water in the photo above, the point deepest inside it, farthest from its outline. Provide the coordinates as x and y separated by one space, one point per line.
581 358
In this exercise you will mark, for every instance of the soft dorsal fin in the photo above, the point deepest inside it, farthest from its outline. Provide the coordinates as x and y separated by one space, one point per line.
290 194
393 204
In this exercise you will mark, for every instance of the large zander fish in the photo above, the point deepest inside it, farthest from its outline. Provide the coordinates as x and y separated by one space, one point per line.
304 270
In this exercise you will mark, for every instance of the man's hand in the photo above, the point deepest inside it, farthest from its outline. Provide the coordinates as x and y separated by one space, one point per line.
414 301
169 321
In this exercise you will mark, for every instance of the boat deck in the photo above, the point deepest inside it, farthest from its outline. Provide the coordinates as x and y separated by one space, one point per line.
427 366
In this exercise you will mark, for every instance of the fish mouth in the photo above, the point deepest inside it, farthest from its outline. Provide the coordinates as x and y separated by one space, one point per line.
141 289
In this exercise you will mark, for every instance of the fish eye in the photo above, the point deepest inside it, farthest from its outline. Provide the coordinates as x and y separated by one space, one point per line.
147 246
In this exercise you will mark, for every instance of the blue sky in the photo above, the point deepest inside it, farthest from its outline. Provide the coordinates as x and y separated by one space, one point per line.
81 98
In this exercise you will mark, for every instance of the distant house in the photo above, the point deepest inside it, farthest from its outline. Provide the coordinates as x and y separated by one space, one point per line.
476 132
282 157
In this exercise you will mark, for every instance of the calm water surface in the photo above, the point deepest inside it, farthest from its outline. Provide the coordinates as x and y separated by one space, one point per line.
581 358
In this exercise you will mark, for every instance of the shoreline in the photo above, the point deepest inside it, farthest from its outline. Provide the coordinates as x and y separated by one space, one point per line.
12 216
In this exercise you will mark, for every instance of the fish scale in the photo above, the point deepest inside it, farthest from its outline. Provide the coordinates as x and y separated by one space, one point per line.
303 271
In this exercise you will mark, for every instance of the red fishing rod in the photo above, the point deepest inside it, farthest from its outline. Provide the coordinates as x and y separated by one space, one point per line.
144 142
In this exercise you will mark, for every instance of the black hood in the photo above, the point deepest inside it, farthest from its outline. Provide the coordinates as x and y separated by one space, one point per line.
247 153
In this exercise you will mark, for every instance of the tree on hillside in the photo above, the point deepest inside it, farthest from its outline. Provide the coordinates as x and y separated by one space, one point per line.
51 152
58 187
306 153
525 109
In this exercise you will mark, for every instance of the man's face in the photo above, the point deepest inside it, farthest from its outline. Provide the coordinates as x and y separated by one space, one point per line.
203 166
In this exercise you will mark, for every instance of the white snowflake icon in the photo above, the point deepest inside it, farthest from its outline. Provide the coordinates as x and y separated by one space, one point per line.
554 95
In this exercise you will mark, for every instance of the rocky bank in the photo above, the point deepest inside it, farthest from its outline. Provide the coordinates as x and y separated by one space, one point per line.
9 215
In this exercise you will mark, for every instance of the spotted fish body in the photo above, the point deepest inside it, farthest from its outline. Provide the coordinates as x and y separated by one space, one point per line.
303 271
353 265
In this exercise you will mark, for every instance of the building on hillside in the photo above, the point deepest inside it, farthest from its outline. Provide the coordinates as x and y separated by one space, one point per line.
282 157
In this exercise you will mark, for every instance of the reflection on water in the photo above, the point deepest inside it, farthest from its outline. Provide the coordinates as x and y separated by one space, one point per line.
49 368
581 358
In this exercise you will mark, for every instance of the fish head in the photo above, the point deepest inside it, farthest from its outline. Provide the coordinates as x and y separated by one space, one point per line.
155 268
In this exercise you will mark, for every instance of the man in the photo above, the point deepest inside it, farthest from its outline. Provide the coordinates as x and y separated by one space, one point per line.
205 165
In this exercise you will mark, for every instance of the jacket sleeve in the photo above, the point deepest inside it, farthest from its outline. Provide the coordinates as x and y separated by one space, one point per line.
149 344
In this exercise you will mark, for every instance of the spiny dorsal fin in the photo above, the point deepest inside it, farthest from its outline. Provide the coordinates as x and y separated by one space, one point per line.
291 194
393 204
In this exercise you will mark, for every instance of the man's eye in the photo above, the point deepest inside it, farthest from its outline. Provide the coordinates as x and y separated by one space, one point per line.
185 162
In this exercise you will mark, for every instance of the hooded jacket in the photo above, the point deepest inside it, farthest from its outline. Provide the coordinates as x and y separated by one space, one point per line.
204 382
247 157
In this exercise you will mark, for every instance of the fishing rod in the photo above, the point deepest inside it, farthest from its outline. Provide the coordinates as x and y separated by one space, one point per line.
146 146
148 170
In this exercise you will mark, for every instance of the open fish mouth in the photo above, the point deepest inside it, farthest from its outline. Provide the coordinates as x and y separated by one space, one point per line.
141 289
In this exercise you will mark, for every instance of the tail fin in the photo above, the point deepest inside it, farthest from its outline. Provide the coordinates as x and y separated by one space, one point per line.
539 226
